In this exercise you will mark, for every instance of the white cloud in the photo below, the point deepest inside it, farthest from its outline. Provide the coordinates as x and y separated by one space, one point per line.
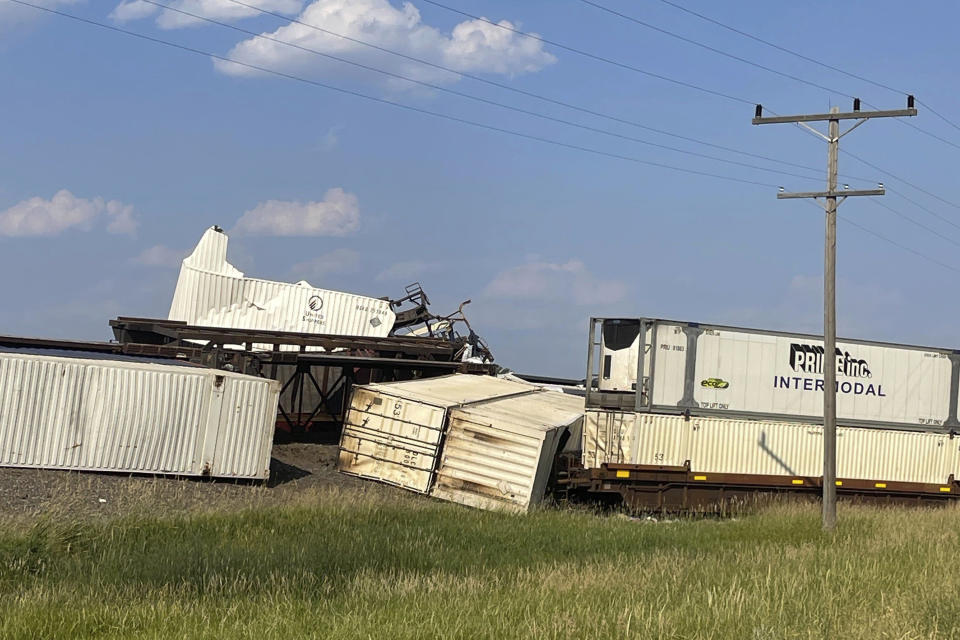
222 10
40 217
550 282
133 10
161 256
336 261
336 215
406 271
331 139
120 218
474 45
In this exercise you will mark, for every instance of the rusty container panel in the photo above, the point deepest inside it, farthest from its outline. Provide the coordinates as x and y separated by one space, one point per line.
75 411
403 462
498 454
393 431
607 437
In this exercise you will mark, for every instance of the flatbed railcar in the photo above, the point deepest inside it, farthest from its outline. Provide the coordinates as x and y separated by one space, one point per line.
677 489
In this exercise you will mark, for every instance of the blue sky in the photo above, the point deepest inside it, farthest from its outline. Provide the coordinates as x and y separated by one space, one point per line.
117 153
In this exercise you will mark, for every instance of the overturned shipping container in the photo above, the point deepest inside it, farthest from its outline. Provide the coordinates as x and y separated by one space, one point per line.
661 366
212 292
84 411
477 440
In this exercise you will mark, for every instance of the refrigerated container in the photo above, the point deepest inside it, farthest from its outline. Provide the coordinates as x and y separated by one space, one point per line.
663 366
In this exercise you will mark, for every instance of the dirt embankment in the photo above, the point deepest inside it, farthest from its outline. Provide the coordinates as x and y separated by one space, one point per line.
296 469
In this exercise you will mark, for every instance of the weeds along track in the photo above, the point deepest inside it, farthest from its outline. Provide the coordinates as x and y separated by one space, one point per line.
345 562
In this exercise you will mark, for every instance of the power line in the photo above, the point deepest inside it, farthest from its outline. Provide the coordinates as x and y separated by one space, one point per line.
802 57
928 210
523 92
385 101
903 180
593 56
659 76
897 244
441 115
714 49
469 96
889 241
783 49
501 85
916 222
807 58
933 135
938 114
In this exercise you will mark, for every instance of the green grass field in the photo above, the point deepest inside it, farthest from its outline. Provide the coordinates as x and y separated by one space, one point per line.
369 565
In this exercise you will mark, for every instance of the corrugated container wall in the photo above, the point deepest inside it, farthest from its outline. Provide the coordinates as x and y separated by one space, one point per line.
392 431
478 440
755 447
714 370
211 292
499 454
75 412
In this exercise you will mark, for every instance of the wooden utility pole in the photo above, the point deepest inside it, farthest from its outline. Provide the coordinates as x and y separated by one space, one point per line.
832 198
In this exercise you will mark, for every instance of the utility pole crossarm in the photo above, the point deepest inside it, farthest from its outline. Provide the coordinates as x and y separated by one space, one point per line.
830 194
826 117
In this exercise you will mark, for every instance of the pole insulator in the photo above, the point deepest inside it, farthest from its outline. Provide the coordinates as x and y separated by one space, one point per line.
909 102
856 104
759 111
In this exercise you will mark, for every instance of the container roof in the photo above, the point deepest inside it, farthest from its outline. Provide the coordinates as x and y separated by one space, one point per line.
453 390
538 411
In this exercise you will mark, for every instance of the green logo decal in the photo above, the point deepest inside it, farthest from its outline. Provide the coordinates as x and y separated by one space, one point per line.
714 383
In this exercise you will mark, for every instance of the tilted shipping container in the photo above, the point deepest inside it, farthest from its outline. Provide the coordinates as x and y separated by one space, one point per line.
392 431
712 370
499 454
87 412
481 441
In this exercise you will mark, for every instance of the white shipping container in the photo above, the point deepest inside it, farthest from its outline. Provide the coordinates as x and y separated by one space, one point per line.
211 292
392 431
498 454
478 440
757 447
83 411
714 370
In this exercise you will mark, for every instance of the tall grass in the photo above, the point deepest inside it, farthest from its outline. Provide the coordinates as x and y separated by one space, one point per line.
370 565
